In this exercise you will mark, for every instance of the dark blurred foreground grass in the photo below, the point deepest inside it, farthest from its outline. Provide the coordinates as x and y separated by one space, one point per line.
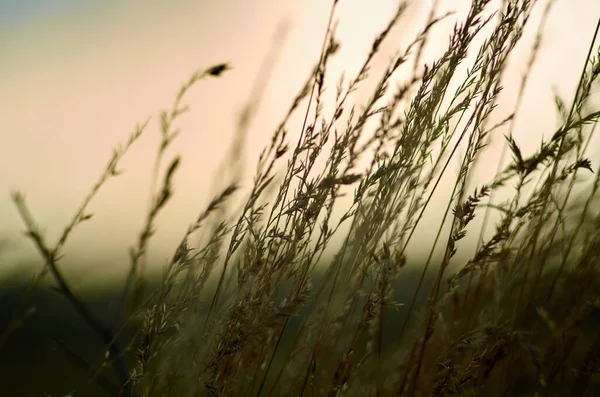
37 359
43 356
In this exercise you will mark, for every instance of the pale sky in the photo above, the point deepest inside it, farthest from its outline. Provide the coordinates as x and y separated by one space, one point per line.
76 77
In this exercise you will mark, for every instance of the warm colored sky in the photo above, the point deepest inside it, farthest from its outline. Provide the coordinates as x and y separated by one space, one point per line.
76 76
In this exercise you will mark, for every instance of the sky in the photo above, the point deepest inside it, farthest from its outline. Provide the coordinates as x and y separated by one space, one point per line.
77 76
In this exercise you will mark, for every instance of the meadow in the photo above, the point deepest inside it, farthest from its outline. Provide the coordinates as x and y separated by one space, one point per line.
300 284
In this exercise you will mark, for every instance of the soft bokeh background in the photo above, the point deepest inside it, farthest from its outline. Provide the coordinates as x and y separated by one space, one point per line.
76 77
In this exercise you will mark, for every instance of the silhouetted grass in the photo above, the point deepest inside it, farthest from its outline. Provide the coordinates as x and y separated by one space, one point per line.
242 313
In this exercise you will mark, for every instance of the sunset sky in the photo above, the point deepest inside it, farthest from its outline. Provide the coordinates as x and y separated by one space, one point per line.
77 75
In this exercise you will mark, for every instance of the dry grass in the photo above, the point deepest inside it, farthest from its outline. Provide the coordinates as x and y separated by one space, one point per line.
518 318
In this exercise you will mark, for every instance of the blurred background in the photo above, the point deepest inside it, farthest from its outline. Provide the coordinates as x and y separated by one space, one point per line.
78 75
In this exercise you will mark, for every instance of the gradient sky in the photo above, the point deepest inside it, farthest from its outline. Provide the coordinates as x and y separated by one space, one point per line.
76 77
